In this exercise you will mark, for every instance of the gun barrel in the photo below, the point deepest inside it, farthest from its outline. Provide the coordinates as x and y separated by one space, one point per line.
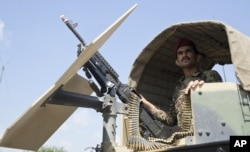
72 28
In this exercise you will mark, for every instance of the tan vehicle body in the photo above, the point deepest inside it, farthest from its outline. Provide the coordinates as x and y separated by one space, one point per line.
215 111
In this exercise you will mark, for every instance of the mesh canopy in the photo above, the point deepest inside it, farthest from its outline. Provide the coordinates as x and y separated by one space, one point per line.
154 73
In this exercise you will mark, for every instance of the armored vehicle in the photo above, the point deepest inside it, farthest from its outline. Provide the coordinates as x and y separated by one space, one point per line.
212 113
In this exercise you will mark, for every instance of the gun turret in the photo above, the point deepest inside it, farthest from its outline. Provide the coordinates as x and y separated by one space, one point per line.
109 83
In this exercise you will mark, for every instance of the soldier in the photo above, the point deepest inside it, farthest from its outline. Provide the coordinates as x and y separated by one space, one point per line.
187 58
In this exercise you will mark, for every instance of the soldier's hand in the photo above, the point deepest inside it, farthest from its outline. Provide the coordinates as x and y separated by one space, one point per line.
147 103
193 85
143 99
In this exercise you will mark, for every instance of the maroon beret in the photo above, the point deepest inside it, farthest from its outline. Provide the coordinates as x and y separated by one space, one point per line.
183 42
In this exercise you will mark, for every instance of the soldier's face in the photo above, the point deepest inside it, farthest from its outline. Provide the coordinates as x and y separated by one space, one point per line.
186 57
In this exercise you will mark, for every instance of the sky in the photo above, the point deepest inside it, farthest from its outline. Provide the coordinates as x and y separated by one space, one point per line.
36 48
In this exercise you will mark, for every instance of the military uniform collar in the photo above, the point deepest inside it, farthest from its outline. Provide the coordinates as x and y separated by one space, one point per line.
195 74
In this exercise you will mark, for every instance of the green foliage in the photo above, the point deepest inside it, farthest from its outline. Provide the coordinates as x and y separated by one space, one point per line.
51 149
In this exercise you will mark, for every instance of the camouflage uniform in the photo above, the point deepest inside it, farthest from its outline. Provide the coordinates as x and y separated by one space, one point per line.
171 117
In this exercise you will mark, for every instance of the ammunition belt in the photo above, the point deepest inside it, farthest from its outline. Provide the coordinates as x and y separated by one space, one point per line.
184 117
138 143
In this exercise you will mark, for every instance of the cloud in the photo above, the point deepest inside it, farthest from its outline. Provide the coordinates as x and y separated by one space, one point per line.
4 35
1 30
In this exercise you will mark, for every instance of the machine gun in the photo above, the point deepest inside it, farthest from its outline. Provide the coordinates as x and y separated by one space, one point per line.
109 84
